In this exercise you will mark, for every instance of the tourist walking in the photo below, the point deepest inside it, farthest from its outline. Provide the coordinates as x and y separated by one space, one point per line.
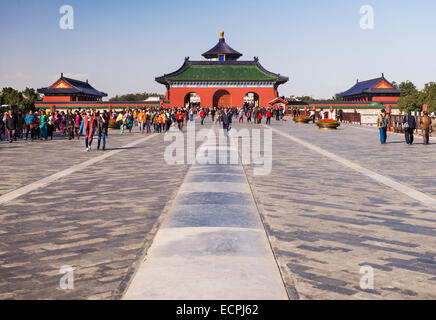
382 124
87 128
43 126
129 121
269 115
409 125
30 121
19 132
202 116
312 116
425 123
69 124
62 123
77 123
141 121
120 121
148 121
180 119
225 118
2 128
191 114
248 116
102 129
212 113
11 125
50 125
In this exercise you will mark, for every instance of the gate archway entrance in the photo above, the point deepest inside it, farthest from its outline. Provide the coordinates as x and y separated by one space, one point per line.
192 99
221 99
251 99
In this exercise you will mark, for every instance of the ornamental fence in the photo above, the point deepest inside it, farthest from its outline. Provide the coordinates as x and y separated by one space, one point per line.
352 117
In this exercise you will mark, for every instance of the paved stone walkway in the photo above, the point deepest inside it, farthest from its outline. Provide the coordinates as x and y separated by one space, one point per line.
212 244
324 219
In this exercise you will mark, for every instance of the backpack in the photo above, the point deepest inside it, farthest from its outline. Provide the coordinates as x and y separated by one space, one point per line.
406 124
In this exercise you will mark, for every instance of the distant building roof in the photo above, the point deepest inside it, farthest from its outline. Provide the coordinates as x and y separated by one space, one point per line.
222 48
377 85
222 71
70 86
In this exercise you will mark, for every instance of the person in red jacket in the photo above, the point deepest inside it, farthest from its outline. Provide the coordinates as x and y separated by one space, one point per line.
268 116
259 117
202 116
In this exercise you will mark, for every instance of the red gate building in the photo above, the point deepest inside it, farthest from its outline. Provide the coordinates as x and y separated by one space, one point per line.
221 80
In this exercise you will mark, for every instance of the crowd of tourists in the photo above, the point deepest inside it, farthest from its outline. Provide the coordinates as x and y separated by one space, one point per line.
43 125
409 125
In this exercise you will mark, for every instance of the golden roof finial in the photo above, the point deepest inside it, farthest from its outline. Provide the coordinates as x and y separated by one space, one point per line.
222 34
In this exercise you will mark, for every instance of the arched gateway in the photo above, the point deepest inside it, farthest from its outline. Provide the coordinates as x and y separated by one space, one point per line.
222 99
222 79
192 99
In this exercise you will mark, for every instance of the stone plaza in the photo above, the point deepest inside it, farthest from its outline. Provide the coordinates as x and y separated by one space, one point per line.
130 226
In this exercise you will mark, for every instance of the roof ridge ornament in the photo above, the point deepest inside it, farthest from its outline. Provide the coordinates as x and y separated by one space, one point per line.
222 34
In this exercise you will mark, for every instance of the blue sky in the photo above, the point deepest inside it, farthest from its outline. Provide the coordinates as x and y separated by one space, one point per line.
121 46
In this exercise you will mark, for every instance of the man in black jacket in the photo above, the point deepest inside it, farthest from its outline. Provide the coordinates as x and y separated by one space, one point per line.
102 128
69 121
226 119
11 125
409 125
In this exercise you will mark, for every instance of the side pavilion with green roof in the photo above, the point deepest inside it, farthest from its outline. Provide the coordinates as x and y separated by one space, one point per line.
221 80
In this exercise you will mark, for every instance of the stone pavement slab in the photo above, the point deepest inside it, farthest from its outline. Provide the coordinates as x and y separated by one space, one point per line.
212 244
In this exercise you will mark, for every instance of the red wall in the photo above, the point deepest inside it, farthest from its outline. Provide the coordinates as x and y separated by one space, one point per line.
177 95
56 98
385 98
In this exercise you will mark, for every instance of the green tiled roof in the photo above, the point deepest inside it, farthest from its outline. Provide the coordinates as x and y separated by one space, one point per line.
222 73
